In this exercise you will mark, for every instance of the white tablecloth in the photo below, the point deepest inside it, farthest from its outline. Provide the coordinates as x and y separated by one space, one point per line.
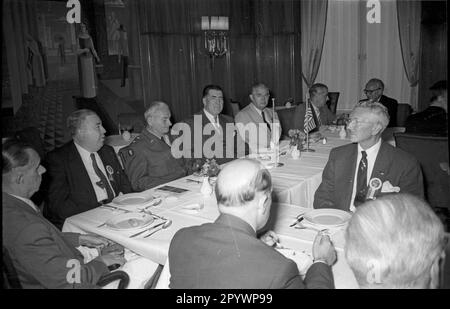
297 180
156 247
294 183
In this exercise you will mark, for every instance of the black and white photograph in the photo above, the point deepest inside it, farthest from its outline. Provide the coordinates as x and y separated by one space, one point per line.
223 146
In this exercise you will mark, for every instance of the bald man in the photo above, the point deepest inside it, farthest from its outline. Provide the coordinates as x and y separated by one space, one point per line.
226 254
374 92
148 160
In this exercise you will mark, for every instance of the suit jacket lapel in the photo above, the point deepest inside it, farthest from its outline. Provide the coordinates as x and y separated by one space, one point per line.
78 169
349 174
381 163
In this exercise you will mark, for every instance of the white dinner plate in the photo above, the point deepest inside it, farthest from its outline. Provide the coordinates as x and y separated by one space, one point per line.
130 221
133 199
327 217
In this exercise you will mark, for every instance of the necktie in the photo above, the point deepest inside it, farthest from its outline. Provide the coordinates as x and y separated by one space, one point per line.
361 184
103 183
264 119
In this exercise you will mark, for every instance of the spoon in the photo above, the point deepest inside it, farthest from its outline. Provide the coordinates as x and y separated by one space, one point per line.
162 227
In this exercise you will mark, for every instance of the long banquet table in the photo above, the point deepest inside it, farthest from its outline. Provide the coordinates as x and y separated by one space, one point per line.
296 175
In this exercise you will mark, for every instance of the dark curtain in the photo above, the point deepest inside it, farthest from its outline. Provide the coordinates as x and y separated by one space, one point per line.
264 45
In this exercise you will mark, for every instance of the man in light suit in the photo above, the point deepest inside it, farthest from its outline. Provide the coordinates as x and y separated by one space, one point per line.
208 134
368 167
374 91
227 254
84 173
41 255
148 159
258 125
318 94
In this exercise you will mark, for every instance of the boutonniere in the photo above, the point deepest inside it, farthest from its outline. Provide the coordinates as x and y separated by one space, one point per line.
110 171
374 186
389 188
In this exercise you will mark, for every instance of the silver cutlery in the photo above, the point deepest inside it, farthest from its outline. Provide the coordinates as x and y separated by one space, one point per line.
160 227
149 229
103 224
115 208
302 227
299 217
192 180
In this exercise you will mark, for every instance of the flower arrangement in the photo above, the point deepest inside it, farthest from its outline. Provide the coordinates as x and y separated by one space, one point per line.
297 137
208 168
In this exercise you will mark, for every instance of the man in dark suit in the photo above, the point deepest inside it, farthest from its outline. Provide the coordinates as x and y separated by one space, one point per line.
227 254
41 255
84 173
148 160
374 92
208 134
369 167
433 120
318 94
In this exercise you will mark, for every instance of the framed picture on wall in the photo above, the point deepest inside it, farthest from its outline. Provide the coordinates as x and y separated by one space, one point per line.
116 15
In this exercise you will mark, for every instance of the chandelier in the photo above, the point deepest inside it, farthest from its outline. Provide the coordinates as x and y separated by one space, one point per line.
215 29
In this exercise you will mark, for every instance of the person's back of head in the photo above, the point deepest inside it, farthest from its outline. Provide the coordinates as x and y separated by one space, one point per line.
395 241
439 94
243 189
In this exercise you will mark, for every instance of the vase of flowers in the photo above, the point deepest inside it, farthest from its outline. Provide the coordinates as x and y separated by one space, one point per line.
297 138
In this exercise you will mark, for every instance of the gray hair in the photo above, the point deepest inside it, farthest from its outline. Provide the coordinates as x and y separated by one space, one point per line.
14 154
377 81
315 88
76 119
153 108
260 182
377 109
393 241
259 85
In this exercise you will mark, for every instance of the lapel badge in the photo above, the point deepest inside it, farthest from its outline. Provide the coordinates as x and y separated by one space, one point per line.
374 185
130 152
110 171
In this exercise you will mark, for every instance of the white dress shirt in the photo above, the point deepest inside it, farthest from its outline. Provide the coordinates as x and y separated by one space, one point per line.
214 121
86 158
372 154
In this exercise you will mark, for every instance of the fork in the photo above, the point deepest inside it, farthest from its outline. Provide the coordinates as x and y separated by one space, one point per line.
146 230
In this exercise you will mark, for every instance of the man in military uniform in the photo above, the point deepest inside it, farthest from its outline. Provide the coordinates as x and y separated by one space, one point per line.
148 160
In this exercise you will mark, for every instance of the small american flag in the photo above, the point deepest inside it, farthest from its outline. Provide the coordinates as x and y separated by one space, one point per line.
309 123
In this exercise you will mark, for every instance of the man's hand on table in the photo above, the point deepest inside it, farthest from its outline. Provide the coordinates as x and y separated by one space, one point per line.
323 249
93 241
270 238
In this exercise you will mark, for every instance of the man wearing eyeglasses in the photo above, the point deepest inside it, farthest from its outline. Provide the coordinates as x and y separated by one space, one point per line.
367 168
374 93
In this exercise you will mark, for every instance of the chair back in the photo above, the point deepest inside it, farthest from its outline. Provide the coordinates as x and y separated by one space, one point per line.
131 121
403 112
432 153
164 278
286 117
9 273
32 136
333 101
234 108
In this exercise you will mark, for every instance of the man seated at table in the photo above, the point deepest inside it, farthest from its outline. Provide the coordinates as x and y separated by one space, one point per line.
395 242
257 124
209 133
148 160
318 95
84 173
367 162
42 256
227 253
374 92
433 120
